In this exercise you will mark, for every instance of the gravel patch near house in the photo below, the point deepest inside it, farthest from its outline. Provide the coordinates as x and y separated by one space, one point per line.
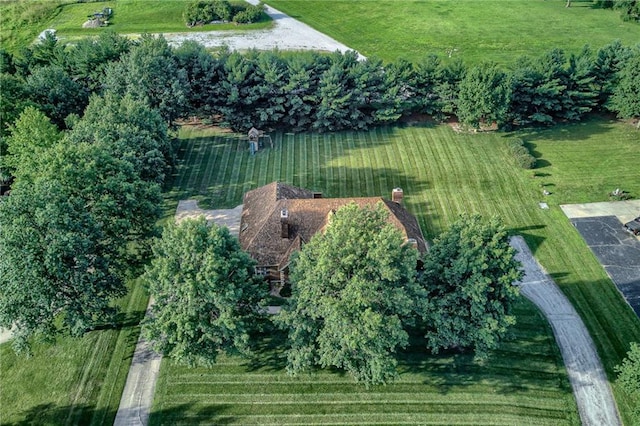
188 209
591 389
287 34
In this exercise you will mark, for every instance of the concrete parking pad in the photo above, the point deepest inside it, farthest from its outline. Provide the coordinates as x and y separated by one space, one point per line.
623 210
188 209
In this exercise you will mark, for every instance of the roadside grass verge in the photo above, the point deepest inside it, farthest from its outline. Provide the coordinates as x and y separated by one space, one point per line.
76 381
476 31
444 174
522 383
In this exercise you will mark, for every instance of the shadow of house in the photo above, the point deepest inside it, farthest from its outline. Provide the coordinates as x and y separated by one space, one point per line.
278 219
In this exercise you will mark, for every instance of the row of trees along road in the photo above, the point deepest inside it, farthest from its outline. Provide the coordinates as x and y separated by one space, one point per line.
356 294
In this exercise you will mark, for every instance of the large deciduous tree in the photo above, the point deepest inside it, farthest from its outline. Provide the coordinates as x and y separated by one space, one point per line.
56 93
56 273
206 295
129 130
30 137
353 292
484 96
469 275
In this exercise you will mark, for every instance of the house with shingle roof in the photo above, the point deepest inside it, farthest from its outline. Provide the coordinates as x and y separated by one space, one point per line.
278 219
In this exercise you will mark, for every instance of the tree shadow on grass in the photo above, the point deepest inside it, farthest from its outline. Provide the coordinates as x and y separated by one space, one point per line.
51 414
268 351
533 240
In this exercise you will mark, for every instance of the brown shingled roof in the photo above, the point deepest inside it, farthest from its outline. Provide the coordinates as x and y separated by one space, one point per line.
260 223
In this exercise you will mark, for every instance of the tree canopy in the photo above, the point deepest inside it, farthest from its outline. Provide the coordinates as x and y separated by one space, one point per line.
469 274
56 275
626 95
353 292
206 295
629 375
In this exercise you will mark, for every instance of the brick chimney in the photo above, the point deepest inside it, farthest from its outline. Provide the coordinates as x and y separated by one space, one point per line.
396 195
284 222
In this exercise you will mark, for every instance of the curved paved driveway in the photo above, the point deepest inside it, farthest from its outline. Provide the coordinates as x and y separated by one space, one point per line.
596 404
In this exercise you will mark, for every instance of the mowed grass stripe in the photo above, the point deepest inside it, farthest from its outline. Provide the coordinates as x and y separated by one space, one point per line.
387 418
443 174
431 398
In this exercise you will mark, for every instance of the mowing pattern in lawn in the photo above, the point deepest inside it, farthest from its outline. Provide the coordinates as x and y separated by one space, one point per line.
74 381
523 383
443 174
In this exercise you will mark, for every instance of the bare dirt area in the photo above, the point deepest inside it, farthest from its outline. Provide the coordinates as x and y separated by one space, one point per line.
591 389
287 34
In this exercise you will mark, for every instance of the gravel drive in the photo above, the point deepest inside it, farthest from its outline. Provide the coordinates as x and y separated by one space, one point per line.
596 404
288 34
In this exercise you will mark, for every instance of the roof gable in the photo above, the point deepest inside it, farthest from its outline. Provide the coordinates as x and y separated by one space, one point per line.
260 229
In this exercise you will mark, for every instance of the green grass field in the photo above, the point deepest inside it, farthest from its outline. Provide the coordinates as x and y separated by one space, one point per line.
493 30
443 174
22 20
135 17
523 383
74 381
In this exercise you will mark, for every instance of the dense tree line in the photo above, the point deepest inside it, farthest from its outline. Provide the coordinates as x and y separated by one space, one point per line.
313 91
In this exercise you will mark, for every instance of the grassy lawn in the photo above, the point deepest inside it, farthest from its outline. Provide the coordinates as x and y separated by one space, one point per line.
136 16
74 381
443 174
495 30
22 21
523 383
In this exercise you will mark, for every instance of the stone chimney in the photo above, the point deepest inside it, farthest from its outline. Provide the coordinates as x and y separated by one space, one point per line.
396 195
284 222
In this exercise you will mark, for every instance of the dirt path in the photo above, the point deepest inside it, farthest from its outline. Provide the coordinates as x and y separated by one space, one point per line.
287 34
591 389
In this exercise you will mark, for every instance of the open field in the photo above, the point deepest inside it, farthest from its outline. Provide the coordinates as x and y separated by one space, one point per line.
443 174
523 383
74 381
487 30
20 28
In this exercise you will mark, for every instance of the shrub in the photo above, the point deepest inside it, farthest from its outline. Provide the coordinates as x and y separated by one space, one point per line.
249 15
201 12
521 154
